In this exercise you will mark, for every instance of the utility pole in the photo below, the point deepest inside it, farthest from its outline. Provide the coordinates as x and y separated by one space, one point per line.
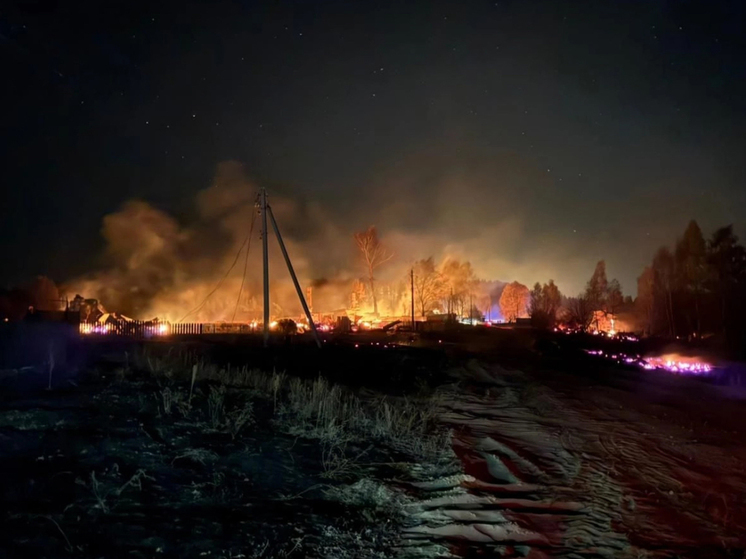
471 310
295 279
309 297
265 265
411 275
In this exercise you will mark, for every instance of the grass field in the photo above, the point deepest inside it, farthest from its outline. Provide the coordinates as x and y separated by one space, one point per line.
156 451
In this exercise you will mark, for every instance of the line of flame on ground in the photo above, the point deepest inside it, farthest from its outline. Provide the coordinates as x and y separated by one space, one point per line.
672 362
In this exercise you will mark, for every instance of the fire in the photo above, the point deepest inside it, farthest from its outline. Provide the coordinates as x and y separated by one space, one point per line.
147 329
88 328
679 364
671 362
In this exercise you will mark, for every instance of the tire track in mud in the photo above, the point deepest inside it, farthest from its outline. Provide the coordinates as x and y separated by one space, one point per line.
517 487
664 488
547 475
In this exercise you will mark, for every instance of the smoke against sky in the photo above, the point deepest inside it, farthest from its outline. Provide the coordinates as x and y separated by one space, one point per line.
533 138
157 265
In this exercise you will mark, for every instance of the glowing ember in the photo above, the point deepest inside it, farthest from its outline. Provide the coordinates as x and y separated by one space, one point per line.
146 329
678 364
673 363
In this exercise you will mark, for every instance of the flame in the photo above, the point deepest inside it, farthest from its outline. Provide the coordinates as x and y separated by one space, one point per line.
88 328
676 363
671 362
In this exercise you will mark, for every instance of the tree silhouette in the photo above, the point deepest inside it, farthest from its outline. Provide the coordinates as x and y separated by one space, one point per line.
603 295
580 310
645 302
691 272
727 263
545 302
664 273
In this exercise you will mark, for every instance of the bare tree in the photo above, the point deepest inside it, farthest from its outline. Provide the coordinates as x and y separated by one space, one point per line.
374 254
428 284
459 281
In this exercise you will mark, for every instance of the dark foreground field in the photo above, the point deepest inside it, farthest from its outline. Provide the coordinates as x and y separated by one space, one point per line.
484 445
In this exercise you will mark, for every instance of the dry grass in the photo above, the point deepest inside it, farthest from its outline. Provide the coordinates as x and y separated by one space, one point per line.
105 495
216 405
311 409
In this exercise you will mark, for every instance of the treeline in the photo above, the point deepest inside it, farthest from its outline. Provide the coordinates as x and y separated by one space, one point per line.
601 300
697 289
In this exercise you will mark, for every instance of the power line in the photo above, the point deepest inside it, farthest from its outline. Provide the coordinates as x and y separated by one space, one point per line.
202 304
245 265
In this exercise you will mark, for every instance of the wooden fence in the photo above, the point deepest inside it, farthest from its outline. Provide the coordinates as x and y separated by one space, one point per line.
139 329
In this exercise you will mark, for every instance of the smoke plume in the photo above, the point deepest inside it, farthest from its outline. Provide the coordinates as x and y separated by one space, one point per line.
158 266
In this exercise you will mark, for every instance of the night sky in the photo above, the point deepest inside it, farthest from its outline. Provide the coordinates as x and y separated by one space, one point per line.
545 135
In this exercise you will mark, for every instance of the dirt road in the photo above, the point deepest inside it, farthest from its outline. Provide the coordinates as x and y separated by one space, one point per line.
638 466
